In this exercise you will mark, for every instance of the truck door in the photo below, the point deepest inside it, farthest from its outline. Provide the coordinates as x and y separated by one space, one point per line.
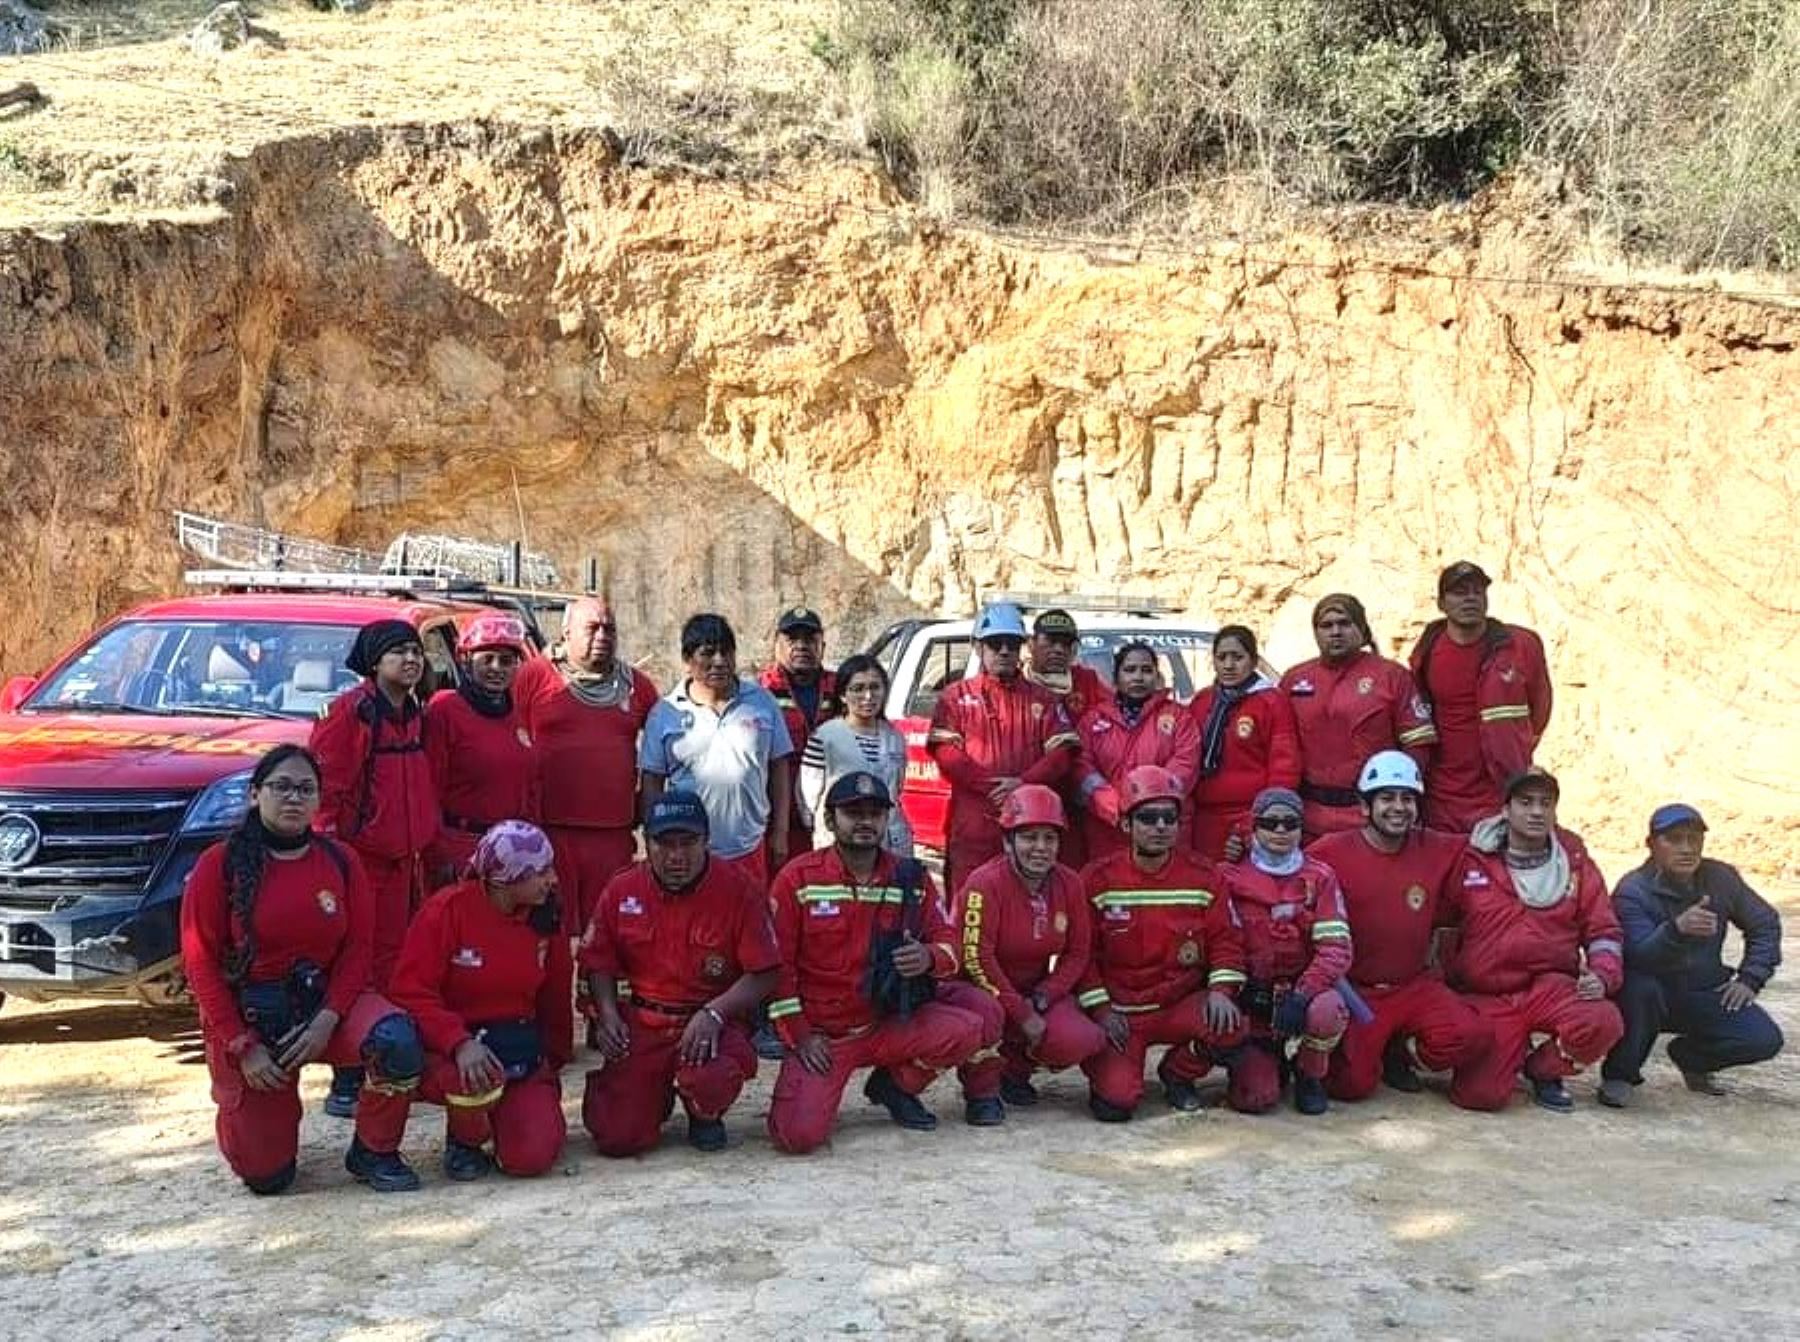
926 796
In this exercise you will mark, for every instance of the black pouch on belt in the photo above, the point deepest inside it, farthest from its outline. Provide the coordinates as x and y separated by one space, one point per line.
516 1043
278 1011
891 992
1257 998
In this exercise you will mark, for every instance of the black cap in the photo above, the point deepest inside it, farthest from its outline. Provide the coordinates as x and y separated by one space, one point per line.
676 810
1533 777
1056 624
859 786
1461 571
375 641
798 620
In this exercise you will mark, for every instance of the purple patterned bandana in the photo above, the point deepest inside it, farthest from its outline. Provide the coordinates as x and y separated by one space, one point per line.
512 851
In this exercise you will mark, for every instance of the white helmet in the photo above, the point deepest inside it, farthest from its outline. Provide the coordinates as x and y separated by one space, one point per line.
1390 769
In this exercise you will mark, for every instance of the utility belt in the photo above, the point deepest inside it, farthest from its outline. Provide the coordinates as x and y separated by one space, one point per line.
1330 796
1258 996
516 1043
665 1008
280 1010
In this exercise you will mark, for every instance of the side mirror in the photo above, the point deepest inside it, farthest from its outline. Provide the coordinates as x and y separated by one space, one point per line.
17 691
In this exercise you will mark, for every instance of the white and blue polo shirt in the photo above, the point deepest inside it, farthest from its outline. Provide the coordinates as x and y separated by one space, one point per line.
724 755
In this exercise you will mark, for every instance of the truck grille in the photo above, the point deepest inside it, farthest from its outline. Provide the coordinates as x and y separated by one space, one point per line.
88 844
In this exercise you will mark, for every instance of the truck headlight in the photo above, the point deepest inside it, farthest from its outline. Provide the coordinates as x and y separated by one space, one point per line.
220 807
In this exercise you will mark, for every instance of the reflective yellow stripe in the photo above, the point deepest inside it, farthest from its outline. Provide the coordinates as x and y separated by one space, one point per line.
1135 1010
1061 739
848 894
1091 998
1124 898
1219 977
1330 930
480 1101
1505 712
1418 735
784 1006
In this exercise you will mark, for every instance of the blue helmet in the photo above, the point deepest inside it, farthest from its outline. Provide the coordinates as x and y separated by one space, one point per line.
1001 619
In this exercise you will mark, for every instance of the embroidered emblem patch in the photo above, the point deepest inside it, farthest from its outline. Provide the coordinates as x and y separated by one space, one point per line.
1188 955
1246 728
630 905
1415 897
468 958
826 910
1037 711
1166 724
524 735
1060 922
1366 685
713 967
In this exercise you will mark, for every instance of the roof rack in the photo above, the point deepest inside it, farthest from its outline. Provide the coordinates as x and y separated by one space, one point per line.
418 585
1116 603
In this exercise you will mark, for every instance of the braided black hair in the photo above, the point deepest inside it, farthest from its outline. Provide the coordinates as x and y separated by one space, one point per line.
246 852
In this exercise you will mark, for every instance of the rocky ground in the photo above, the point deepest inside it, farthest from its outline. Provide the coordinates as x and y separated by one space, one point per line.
1401 1216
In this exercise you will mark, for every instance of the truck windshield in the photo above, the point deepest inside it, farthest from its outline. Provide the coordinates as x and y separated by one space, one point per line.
211 667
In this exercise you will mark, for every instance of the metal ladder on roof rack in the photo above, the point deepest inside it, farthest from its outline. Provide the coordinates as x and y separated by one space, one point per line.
234 545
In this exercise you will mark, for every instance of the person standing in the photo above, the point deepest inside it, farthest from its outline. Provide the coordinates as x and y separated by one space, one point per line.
1141 724
725 740
1053 662
806 693
1674 911
1488 690
584 707
378 794
992 733
1349 704
861 740
1247 743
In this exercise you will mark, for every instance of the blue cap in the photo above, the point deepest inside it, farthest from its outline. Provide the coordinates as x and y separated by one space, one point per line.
859 786
1675 813
1002 619
675 810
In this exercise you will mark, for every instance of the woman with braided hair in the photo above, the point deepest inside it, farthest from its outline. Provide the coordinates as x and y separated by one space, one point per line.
276 940
1247 743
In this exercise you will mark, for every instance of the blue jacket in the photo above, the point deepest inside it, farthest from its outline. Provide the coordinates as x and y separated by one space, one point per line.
1648 903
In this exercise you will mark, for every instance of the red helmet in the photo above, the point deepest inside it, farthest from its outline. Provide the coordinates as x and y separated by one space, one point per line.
1148 782
1032 804
487 632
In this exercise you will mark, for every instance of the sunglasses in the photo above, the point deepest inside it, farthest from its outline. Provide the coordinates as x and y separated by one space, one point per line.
1003 644
1156 815
1278 823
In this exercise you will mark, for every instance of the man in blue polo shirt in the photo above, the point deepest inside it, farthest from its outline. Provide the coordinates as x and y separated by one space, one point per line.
720 736
1674 910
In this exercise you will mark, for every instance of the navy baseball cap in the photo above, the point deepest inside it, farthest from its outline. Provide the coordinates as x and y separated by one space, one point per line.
675 811
799 619
1675 814
859 786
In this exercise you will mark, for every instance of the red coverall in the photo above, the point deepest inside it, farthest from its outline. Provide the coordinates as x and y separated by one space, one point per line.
1165 734
588 783
1295 938
1088 690
1394 901
670 954
1261 751
823 924
378 798
306 909
984 729
1161 941
1523 963
774 679
465 965
1344 714
485 771
1009 937
1491 704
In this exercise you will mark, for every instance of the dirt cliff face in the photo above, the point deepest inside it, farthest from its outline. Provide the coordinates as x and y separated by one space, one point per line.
743 396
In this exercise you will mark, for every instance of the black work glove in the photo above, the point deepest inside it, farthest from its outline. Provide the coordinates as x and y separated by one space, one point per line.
1289 1017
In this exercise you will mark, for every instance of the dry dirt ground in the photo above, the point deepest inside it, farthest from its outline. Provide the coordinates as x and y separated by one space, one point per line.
1399 1217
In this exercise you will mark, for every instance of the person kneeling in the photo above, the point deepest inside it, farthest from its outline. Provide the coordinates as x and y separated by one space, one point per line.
863 937
486 973
677 956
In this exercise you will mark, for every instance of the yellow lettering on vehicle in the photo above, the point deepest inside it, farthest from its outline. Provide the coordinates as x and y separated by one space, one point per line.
75 736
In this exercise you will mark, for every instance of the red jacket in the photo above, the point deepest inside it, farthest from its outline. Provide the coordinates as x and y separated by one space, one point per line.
1158 936
1010 935
315 907
775 680
1293 926
1512 698
1506 944
587 757
1087 689
484 769
679 950
983 729
823 922
377 788
1395 901
1262 749
465 964
1344 714
1165 734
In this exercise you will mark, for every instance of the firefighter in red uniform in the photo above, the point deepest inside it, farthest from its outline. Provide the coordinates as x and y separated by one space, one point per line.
1540 945
1393 876
1247 743
277 938
1349 703
1052 663
1167 959
482 761
1141 724
991 733
864 940
1019 913
1488 690
378 793
806 693
486 974
1297 948
679 953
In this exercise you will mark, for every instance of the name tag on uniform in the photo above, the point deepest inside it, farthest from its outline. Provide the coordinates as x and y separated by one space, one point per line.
1283 913
1473 877
630 905
468 958
826 910
1301 687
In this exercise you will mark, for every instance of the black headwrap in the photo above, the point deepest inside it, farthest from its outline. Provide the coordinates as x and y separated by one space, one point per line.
375 641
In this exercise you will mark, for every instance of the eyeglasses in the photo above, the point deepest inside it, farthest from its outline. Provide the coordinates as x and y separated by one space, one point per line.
1280 824
286 788
1156 815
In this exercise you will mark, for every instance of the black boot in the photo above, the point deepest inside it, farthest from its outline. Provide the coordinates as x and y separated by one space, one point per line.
1552 1095
346 1085
706 1134
904 1109
1017 1092
1397 1069
384 1171
1106 1111
1309 1095
465 1163
986 1112
271 1184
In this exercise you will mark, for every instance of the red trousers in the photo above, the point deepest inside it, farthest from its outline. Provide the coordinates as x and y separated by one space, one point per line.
1256 1078
523 1119
586 859
1213 825
1070 1038
1117 1075
1444 1030
628 1100
1578 1033
259 1130
397 883
804 1107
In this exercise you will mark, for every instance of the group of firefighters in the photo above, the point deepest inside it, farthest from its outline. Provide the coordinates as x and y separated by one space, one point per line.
1319 884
